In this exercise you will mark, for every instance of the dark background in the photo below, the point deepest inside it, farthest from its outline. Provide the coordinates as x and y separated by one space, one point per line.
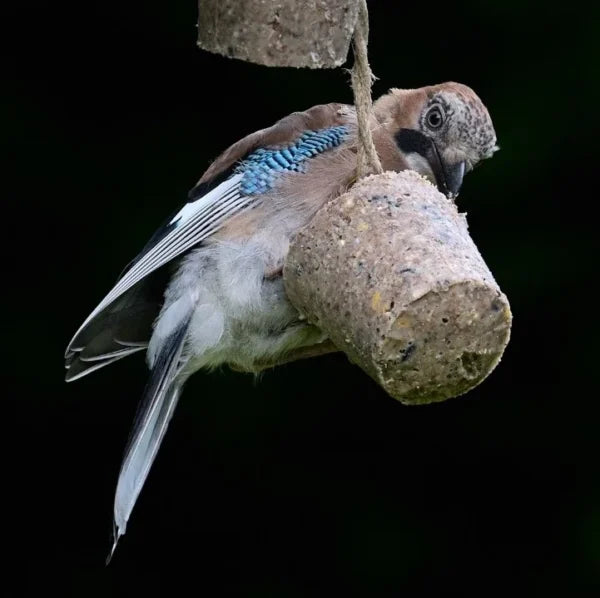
311 481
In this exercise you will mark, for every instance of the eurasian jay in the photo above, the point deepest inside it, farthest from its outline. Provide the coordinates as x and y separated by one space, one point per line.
207 288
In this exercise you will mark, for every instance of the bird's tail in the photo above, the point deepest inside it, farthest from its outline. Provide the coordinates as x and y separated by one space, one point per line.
153 416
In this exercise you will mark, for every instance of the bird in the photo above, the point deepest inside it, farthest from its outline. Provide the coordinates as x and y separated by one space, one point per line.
207 289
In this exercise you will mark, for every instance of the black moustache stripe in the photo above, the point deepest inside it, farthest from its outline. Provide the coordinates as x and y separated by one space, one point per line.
409 140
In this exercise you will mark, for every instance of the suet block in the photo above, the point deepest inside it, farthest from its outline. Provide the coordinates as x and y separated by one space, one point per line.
389 272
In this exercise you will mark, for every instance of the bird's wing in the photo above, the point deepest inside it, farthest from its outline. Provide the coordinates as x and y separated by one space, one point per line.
233 183
97 342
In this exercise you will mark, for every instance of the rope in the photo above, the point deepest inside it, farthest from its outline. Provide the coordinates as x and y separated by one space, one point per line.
362 78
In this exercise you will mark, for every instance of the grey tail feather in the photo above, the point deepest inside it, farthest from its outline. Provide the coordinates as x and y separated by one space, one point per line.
115 539
151 421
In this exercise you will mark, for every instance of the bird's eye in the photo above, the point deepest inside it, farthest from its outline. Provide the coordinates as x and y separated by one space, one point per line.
434 118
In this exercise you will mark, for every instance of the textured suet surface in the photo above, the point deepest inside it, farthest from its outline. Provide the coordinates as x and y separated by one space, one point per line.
389 272
313 33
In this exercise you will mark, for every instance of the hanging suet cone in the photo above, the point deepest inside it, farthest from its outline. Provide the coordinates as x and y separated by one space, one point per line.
314 34
390 273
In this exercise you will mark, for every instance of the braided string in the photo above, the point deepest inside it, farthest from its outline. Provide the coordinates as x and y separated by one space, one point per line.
362 78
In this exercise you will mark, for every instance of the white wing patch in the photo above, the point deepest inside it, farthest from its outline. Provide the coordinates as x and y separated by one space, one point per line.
188 210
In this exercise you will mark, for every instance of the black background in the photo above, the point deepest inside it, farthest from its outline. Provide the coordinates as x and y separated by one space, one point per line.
312 480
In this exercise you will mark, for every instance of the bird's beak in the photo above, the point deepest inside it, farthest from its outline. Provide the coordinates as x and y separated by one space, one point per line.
454 178
449 177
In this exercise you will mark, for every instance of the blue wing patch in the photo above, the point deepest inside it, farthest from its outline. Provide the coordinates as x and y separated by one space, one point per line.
262 166
260 169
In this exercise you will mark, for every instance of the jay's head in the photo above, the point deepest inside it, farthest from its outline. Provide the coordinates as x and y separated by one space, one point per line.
443 131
